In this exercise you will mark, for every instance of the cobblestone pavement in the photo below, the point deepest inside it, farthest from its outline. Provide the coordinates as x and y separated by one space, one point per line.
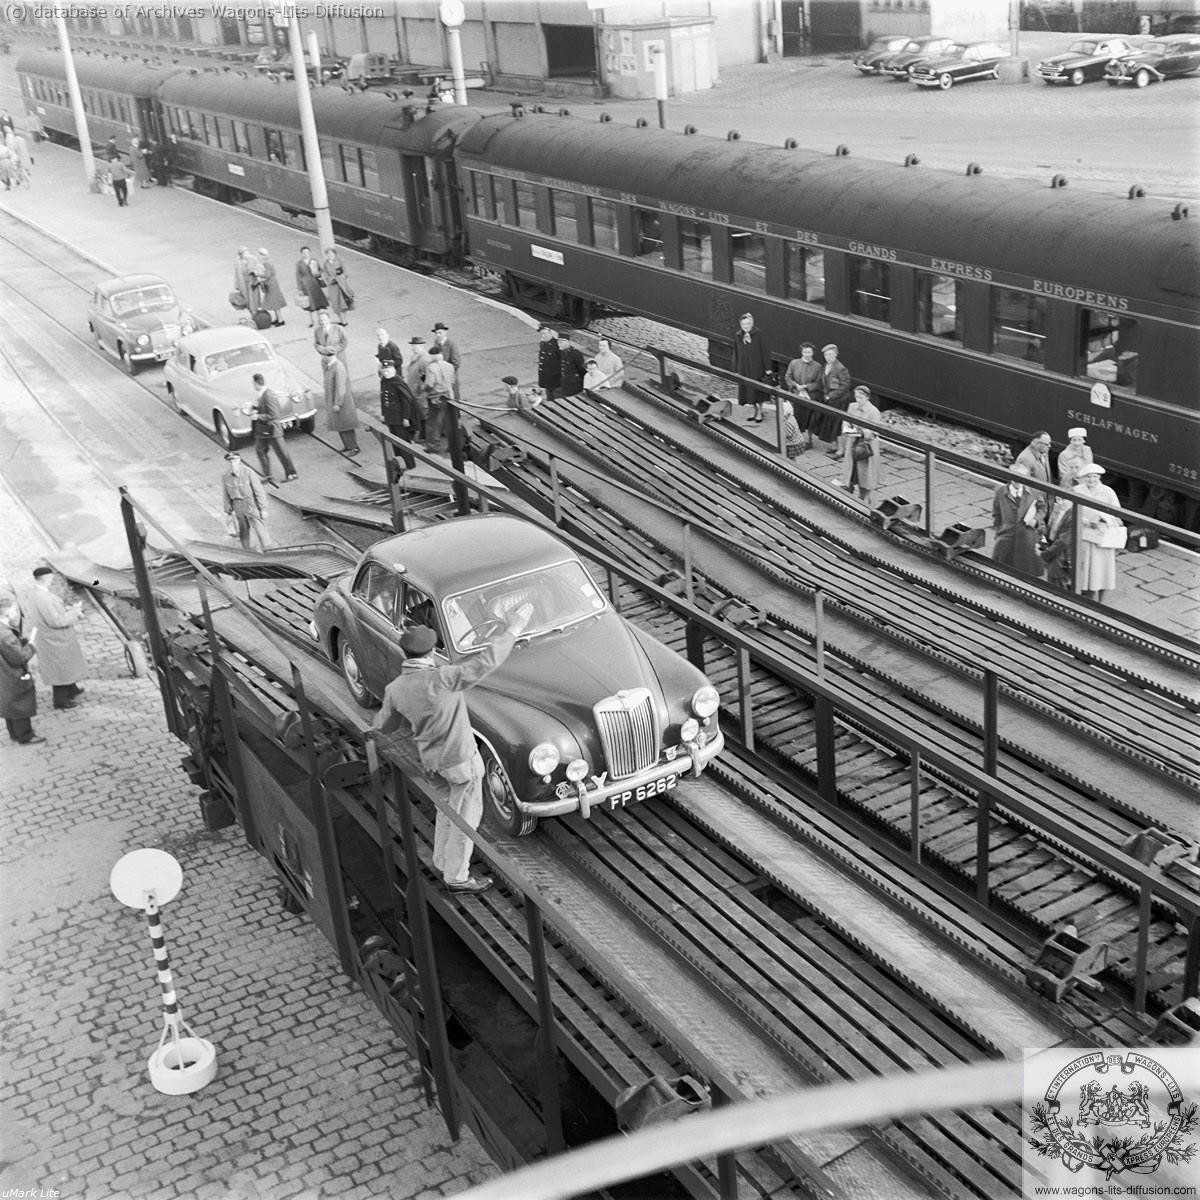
314 1096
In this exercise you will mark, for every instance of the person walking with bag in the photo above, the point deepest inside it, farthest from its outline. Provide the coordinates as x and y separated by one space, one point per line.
425 714
18 692
1100 535
336 284
861 465
244 499
60 660
268 431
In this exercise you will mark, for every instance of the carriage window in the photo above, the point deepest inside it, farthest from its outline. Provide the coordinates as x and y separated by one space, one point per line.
477 194
241 137
206 124
1018 325
123 109
276 147
869 288
499 201
526 213
805 269
566 224
604 225
331 160
939 305
749 251
220 132
1108 348
695 242
370 169
649 234
192 127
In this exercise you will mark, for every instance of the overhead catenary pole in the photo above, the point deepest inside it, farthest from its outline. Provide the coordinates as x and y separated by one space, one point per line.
81 125
308 127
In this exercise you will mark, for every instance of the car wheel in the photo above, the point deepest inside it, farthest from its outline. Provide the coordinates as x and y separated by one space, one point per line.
127 363
223 432
1141 79
1076 78
308 424
352 674
945 82
501 800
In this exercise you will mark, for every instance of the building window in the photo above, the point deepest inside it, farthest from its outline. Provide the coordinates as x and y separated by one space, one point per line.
1018 325
604 225
276 147
805 273
526 213
939 306
870 294
695 244
1108 348
749 254
566 223
649 234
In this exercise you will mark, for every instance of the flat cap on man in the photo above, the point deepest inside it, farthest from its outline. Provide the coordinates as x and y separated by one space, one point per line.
417 640
39 572
511 380
830 346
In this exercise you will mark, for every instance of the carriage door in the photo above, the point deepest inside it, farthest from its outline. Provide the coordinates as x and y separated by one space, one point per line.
416 196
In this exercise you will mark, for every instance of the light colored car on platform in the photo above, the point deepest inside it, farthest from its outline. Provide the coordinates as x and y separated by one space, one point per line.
210 378
589 712
136 319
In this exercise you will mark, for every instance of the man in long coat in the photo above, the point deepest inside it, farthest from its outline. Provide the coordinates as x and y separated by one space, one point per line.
449 348
572 364
549 362
272 294
60 661
750 358
18 692
1035 458
398 408
1014 518
243 498
341 417
329 339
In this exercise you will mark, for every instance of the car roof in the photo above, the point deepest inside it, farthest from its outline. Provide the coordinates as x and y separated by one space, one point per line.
123 283
469 551
205 341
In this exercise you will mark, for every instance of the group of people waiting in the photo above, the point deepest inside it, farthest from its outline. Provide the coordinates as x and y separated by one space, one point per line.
564 370
1034 537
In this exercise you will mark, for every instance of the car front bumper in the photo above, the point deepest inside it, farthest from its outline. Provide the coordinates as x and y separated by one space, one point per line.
620 793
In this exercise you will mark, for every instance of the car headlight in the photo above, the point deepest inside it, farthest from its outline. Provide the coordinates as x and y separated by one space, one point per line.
543 758
143 339
577 769
706 701
689 731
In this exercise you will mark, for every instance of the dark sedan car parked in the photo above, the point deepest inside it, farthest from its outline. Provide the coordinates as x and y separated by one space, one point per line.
977 60
867 61
136 319
1164 58
1084 60
916 50
588 712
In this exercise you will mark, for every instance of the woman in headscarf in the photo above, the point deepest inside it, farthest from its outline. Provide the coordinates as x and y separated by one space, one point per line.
1077 455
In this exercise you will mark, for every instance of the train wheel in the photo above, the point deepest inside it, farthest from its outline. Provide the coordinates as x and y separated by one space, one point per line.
945 82
501 800
1076 78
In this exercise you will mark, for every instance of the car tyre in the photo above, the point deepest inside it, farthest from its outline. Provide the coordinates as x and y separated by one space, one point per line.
1141 79
352 674
308 425
127 364
500 798
945 82
1076 77
223 432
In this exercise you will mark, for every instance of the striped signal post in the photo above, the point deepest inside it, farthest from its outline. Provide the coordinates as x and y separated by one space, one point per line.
182 1063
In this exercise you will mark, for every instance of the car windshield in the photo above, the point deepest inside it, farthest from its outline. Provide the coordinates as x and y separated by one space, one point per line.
1082 48
250 355
561 595
158 298
911 47
1155 49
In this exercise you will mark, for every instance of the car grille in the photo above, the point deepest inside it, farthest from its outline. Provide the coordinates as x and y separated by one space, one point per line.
628 732
165 338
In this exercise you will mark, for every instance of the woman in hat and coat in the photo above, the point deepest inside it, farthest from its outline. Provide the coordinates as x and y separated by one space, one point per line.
18 692
308 283
750 358
1077 455
60 660
804 379
272 294
336 283
835 388
861 472
1097 564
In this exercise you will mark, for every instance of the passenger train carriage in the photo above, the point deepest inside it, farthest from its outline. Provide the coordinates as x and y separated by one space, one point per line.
1003 304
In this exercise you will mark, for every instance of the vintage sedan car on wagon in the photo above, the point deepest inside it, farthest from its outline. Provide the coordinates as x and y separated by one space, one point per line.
917 50
1163 58
136 319
1084 59
975 60
867 61
588 712
209 377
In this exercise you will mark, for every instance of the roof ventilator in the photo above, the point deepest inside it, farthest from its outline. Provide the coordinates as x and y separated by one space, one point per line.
1137 192
690 129
790 144
605 118
974 169
842 151
641 123
1058 181
733 136
1179 212
564 112
911 160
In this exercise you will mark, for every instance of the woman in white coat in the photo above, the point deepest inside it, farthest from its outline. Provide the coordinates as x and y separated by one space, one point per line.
1097 563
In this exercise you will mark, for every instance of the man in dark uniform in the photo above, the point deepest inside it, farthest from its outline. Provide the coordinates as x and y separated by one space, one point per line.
572 364
268 431
386 350
398 408
549 362
425 711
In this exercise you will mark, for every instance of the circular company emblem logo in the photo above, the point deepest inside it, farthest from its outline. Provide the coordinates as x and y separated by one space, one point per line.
1113 1113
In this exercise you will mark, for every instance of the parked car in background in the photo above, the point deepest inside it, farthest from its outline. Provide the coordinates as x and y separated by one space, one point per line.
210 378
280 63
1163 58
363 70
589 712
916 50
136 319
1084 59
975 60
867 61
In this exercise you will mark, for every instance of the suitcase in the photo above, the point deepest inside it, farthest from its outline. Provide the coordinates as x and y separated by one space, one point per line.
262 319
